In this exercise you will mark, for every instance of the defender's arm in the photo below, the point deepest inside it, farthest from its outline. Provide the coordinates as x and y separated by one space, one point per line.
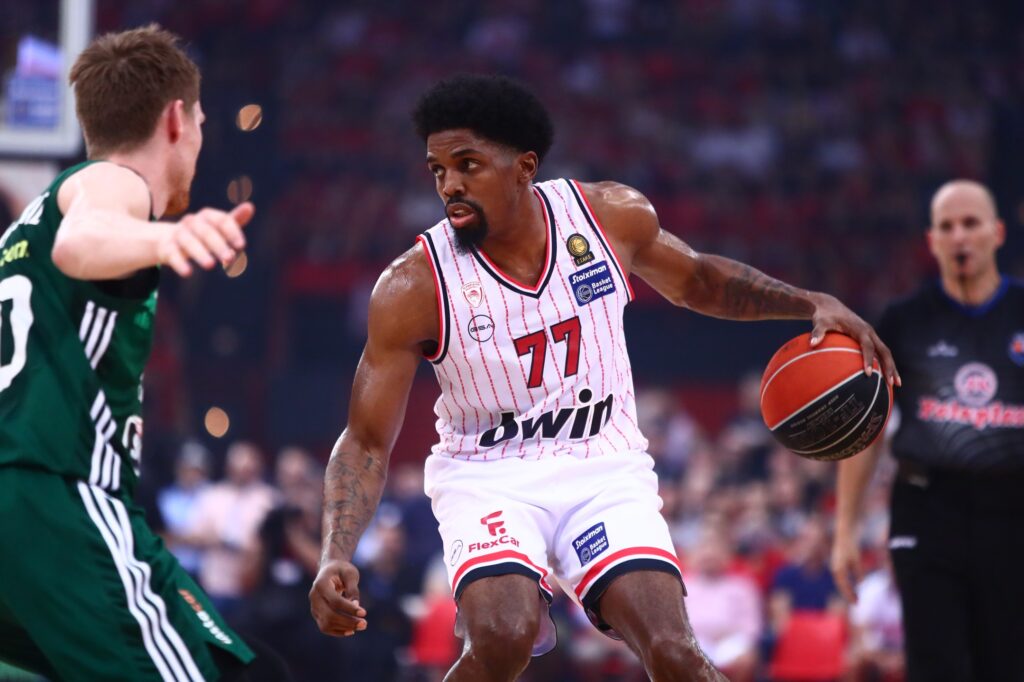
106 232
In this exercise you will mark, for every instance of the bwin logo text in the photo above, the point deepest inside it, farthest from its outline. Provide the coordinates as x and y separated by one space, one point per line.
586 421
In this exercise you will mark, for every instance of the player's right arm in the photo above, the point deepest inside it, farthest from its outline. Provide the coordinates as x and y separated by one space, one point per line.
853 479
106 232
403 321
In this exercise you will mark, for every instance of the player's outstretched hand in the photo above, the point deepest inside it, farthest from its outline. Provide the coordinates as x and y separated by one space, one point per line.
846 567
334 599
204 238
831 315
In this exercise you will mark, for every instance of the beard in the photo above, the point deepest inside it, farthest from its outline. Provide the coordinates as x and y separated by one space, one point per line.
472 236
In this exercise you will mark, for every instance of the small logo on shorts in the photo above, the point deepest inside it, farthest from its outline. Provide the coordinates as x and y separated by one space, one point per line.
456 551
593 542
494 527
481 328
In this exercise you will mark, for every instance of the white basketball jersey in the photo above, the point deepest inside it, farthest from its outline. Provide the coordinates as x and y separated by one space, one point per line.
537 370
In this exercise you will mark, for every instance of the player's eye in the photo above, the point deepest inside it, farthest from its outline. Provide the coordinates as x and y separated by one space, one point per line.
469 164
436 171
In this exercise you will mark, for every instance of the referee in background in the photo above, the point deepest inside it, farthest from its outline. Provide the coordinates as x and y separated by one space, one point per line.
957 527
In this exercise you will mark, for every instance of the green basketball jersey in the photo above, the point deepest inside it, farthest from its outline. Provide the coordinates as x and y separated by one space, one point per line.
72 354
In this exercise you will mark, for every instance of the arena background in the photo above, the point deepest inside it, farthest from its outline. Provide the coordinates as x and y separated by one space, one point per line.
802 136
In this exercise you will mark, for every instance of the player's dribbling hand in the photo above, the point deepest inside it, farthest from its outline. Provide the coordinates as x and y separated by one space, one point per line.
845 564
334 599
831 315
205 238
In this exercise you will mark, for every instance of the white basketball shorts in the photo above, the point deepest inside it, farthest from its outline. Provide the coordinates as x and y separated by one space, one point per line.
584 521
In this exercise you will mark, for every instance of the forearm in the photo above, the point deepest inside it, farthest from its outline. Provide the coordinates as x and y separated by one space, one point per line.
853 479
353 485
98 245
722 287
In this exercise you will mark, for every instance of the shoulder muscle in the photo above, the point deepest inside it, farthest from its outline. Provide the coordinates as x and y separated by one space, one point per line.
106 187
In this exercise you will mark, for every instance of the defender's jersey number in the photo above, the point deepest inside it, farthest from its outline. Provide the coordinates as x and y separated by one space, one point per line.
536 345
15 321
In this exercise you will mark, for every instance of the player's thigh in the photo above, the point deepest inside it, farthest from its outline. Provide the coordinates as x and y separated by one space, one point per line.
642 606
74 581
617 532
490 541
503 607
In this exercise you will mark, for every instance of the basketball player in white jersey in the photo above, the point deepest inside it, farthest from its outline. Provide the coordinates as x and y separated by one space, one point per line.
516 298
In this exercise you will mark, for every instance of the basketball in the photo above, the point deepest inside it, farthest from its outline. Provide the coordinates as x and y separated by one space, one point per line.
819 403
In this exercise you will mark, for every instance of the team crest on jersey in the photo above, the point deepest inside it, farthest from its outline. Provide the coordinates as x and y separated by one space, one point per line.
474 293
579 249
976 384
591 283
1017 348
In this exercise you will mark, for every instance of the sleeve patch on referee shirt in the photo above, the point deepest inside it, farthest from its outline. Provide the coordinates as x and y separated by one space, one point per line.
593 542
591 283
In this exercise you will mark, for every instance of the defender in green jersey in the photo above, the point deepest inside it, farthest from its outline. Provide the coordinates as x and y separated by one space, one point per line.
87 590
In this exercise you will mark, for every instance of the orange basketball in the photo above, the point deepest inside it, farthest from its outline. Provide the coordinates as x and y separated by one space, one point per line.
819 403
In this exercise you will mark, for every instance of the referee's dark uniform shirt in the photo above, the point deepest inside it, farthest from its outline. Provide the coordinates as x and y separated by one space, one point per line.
957 532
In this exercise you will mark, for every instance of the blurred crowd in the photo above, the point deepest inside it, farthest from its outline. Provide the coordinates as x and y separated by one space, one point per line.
749 519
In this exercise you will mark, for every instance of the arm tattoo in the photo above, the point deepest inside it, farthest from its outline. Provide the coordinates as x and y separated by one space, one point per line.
353 484
740 292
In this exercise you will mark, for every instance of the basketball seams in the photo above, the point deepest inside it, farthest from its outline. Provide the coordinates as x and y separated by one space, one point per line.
867 413
815 399
809 353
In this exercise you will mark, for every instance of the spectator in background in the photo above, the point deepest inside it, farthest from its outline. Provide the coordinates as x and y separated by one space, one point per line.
387 580
745 437
725 608
805 583
876 646
227 517
177 504
279 565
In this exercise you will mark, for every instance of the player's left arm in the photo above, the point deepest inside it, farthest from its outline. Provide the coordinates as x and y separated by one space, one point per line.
715 285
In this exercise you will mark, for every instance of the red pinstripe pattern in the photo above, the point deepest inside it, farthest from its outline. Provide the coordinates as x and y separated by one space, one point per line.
599 568
457 328
443 367
508 379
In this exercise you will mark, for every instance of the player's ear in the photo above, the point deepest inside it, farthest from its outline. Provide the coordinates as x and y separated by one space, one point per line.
527 165
1000 233
174 119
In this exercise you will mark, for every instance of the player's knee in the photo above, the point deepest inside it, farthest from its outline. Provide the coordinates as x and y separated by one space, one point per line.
671 657
504 641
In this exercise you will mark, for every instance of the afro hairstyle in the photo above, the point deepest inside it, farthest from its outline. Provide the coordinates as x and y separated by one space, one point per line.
494 107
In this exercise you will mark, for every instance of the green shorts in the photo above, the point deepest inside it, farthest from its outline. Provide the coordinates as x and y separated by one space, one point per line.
89 592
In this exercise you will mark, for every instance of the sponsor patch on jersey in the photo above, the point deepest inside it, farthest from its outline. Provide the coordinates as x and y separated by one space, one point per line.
590 284
474 293
1017 348
579 249
481 328
976 384
592 543
16 252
